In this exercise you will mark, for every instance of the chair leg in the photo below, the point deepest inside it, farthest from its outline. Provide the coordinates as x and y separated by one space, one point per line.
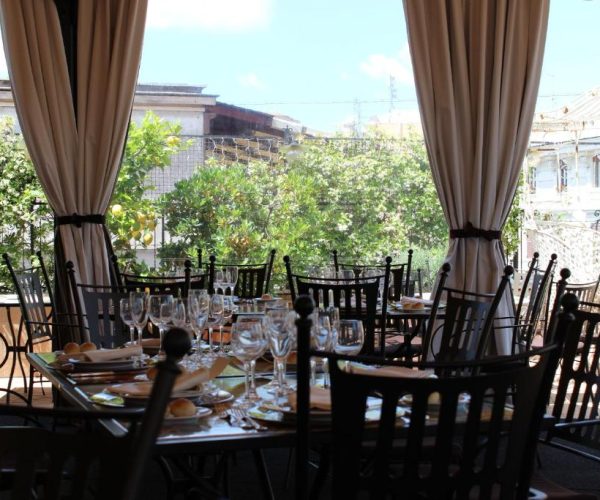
322 472
30 389
263 475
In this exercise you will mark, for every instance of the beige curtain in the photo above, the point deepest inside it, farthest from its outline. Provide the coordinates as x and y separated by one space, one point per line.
477 66
76 153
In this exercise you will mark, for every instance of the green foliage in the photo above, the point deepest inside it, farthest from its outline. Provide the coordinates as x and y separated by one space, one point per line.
132 215
365 199
25 218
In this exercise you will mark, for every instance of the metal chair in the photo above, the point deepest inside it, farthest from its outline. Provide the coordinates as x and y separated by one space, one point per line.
497 448
356 298
577 403
51 462
468 319
39 325
254 280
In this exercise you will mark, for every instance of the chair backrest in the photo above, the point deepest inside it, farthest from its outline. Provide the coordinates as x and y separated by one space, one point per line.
403 281
468 411
356 299
103 314
532 303
254 280
577 398
65 464
468 318
469 414
178 286
30 291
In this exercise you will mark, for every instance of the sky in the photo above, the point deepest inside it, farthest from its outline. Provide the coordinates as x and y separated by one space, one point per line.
328 63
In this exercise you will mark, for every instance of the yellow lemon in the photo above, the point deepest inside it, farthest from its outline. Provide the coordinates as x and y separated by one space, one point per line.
141 218
135 234
151 224
117 210
173 141
147 239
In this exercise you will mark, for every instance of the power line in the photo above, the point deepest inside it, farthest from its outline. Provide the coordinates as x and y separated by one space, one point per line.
366 101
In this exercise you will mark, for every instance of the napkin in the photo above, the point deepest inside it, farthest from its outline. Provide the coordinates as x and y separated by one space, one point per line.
104 355
320 399
184 382
414 303
390 371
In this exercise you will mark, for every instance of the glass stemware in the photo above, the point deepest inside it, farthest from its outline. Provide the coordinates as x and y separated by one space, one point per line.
138 302
229 309
199 304
215 316
321 339
281 336
350 337
231 277
179 313
160 310
127 318
248 343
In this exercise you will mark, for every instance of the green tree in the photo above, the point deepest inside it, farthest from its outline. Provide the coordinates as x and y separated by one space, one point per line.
25 217
364 198
132 216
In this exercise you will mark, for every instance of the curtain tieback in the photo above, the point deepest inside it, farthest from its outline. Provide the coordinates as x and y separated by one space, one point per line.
77 219
471 231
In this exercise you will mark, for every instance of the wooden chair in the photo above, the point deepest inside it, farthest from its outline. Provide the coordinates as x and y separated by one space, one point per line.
30 285
356 298
577 403
52 462
253 281
496 458
468 319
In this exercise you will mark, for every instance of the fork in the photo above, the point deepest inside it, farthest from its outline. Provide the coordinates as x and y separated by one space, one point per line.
243 416
236 418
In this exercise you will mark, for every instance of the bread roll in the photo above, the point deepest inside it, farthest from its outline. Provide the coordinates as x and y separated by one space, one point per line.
152 372
71 348
182 408
87 346
266 296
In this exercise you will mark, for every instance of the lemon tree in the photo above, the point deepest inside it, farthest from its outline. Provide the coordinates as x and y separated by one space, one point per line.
132 216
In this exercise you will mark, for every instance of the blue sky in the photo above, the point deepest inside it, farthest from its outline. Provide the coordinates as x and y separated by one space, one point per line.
325 61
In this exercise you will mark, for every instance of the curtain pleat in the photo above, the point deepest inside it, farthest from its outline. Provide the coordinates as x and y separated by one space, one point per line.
76 156
477 66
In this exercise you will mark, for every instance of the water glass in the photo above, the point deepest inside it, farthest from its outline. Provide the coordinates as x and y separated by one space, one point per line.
281 334
350 337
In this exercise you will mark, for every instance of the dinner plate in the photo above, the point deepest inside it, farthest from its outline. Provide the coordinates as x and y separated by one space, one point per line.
287 416
214 398
107 399
90 366
201 412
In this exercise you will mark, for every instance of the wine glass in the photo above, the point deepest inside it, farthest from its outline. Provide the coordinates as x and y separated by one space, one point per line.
219 279
139 312
160 310
281 336
232 277
321 341
199 304
127 318
179 313
229 309
215 316
248 343
350 337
